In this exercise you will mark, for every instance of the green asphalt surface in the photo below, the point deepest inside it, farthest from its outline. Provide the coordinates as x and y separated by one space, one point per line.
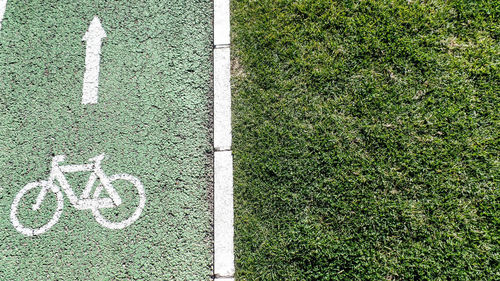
152 121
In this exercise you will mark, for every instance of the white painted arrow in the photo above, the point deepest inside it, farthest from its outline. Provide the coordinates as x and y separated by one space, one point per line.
93 37
3 4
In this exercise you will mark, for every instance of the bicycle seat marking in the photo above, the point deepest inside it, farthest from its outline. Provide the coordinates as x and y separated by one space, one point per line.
86 202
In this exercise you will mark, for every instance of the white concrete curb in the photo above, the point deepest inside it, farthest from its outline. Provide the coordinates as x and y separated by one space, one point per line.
223 159
221 22
222 99
223 214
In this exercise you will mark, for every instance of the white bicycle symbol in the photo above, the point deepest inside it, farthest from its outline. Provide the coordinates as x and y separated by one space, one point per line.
84 202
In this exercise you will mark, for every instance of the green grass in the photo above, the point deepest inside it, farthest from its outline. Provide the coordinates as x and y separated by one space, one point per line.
366 139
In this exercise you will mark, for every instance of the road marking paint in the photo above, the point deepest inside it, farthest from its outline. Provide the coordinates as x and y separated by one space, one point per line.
93 37
3 4
84 202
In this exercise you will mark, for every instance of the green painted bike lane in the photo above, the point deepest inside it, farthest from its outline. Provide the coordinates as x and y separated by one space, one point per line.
152 121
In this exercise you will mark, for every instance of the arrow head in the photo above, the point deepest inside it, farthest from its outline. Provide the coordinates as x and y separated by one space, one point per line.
95 30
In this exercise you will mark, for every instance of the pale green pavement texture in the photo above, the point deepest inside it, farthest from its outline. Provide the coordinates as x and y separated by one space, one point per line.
152 120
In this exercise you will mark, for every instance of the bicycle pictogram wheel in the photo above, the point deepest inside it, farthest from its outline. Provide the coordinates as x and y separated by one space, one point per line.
15 208
97 212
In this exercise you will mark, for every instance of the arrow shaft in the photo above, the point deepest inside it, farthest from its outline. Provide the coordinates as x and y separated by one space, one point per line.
93 37
93 50
91 75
